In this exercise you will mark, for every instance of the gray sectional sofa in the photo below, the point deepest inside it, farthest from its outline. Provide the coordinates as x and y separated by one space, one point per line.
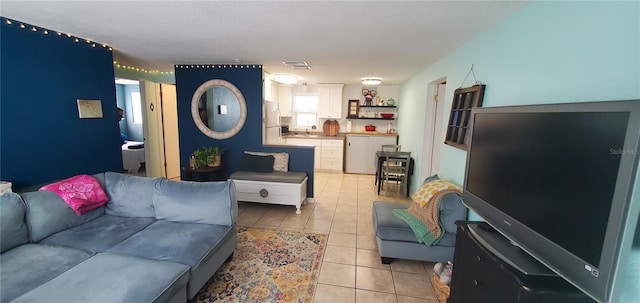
155 240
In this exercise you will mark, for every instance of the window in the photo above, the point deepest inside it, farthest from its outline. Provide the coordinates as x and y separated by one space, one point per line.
136 107
306 110
464 99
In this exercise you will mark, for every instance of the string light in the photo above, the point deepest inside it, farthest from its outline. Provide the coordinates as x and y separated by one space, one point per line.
219 66
116 64
33 28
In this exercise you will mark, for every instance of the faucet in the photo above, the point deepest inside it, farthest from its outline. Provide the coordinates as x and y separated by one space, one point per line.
307 130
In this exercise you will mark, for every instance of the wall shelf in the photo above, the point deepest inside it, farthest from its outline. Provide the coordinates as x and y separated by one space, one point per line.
376 106
365 118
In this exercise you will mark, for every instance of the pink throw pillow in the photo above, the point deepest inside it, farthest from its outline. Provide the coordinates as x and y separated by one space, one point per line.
82 193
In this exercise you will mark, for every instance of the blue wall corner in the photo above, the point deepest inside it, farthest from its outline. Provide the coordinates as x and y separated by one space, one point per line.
248 79
42 137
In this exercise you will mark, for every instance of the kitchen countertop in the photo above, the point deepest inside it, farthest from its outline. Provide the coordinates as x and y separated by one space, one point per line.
339 136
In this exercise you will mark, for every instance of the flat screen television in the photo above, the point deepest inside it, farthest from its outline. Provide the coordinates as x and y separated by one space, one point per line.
557 180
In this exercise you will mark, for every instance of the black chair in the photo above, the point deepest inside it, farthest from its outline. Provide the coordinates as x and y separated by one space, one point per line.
395 168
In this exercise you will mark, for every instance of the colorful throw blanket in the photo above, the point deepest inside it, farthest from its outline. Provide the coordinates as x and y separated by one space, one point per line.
423 216
423 235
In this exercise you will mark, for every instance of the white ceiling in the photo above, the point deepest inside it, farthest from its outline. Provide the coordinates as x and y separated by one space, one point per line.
341 40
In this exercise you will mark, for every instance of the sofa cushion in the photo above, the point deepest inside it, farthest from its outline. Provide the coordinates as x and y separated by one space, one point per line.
31 265
389 227
130 196
82 193
48 214
195 202
451 210
113 278
100 234
185 243
13 229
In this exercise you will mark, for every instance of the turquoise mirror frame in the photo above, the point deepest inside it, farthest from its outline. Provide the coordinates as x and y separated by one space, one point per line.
195 100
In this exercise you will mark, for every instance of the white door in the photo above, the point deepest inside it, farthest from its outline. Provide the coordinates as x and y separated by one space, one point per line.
434 136
170 131
151 129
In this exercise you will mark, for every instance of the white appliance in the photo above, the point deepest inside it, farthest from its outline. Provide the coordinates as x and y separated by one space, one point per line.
272 130
361 152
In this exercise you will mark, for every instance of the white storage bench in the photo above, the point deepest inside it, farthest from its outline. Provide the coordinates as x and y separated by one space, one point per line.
285 188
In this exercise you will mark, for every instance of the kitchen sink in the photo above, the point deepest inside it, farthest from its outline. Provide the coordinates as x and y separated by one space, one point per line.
304 136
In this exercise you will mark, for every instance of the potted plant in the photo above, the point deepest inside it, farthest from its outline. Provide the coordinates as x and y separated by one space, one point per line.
208 156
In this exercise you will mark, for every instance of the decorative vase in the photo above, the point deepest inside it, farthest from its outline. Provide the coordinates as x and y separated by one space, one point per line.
214 161
391 102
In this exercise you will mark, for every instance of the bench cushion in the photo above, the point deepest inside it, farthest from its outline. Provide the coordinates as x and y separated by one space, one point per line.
276 176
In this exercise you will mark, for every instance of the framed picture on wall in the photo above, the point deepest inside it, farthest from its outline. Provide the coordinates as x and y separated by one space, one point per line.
354 108
89 108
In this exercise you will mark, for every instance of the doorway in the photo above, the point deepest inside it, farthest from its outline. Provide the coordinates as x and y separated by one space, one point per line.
434 133
149 128
128 100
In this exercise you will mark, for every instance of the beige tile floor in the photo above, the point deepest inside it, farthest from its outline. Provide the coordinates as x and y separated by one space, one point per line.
351 270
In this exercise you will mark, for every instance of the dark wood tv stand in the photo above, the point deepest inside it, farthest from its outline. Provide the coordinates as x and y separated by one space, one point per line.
488 268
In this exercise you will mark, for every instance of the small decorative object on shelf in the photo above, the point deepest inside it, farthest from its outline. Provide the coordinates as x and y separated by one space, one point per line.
391 102
354 108
369 95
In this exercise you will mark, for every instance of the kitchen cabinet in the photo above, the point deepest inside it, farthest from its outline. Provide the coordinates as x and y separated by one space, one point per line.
328 154
360 152
315 142
270 90
330 101
284 99
331 155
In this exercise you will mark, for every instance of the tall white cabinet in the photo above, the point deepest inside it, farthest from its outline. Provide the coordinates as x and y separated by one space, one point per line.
284 99
330 101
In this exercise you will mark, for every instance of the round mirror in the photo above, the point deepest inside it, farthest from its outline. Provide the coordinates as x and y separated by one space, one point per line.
218 109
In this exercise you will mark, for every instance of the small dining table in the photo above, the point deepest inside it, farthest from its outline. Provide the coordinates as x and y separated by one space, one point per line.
382 156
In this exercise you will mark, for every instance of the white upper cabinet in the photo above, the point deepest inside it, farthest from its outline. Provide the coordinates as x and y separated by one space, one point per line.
284 99
330 101
270 90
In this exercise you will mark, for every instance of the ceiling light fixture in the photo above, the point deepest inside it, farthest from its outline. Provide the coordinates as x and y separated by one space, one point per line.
285 78
371 80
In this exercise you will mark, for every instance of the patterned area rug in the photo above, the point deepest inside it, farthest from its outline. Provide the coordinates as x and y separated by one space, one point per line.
268 266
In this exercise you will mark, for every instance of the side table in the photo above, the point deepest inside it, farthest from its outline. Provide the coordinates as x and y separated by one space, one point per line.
204 174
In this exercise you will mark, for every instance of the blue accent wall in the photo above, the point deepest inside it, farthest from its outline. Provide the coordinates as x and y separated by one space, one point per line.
248 79
41 136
